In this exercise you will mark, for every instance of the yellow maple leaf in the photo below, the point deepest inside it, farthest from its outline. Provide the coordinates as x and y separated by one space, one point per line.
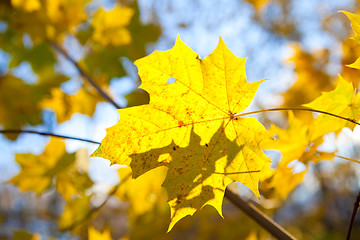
355 24
38 172
109 26
294 144
291 142
281 181
341 101
191 127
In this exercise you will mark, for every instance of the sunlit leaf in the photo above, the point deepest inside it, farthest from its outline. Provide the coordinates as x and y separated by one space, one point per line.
190 128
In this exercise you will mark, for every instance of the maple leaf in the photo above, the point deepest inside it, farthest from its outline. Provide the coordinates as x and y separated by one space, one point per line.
281 181
38 172
109 26
341 101
291 142
294 143
355 24
191 127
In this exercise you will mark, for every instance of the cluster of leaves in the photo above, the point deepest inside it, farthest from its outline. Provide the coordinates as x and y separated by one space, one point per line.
186 145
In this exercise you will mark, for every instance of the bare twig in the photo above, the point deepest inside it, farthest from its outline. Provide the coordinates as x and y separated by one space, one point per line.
85 75
352 220
47 134
258 216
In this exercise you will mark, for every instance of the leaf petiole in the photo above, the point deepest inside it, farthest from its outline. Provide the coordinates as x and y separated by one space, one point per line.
298 109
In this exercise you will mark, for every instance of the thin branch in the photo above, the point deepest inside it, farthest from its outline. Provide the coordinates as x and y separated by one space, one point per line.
85 75
352 220
47 134
298 109
258 216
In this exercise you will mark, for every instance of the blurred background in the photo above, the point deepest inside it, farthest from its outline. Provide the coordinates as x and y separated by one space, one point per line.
51 189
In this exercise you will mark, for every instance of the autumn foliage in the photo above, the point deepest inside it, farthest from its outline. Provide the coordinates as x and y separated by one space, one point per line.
188 129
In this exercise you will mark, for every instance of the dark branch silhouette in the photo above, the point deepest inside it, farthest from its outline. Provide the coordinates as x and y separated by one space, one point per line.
353 215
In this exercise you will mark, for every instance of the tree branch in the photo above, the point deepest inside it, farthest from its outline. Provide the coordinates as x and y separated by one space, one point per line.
85 75
47 134
258 216
352 220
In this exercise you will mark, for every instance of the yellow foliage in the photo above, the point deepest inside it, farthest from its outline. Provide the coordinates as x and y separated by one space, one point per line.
291 142
49 19
65 105
355 24
38 172
143 192
351 51
341 101
16 111
294 143
191 128
307 87
109 27
281 181
75 211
